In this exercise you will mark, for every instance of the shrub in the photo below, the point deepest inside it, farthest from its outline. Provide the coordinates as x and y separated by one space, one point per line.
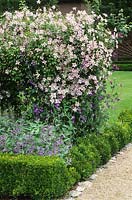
122 133
49 177
124 67
113 141
55 67
126 117
34 176
85 159
94 150
103 147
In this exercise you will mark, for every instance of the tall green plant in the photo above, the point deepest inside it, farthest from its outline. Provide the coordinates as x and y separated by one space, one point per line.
55 67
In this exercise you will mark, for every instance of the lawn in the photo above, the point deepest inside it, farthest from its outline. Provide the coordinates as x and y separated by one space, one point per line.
125 93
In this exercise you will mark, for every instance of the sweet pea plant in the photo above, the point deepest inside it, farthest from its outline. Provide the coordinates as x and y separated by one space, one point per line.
54 68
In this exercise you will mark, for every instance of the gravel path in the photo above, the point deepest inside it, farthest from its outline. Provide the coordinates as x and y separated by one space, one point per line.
114 182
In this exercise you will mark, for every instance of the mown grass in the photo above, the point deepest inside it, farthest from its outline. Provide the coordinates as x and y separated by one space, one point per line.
125 93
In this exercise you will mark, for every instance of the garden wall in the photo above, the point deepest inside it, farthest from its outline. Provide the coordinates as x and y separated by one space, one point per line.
125 48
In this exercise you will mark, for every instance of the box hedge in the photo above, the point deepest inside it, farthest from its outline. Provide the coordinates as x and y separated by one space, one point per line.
94 150
125 117
49 177
112 140
85 159
103 147
122 133
124 67
34 176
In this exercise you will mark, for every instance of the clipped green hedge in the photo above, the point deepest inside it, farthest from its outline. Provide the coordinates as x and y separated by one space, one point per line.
49 177
34 176
123 62
95 150
112 140
122 133
103 147
125 67
125 118
85 159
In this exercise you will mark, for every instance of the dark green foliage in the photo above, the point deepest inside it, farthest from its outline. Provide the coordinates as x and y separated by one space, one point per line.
48 177
126 117
94 150
113 6
11 5
34 176
123 62
122 133
103 147
95 4
125 67
85 158
113 141
89 153
75 176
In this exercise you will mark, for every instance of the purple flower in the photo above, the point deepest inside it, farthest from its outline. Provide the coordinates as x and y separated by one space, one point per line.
59 142
44 129
32 83
2 140
62 136
15 131
120 35
40 151
55 149
31 149
56 105
73 119
91 93
84 63
37 110
16 150
50 153
83 118
33 63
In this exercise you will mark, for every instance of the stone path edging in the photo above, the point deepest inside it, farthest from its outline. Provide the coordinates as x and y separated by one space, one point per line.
98 181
